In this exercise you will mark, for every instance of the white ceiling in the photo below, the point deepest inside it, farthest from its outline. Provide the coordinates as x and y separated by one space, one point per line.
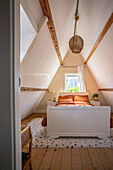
35 8
27 33
101 65
63 16
93 16
42 58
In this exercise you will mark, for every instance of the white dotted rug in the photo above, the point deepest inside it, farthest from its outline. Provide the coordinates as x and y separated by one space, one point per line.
41 140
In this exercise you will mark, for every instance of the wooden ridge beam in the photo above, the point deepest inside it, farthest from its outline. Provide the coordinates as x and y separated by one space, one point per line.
32 89
101 36
47 11
106 89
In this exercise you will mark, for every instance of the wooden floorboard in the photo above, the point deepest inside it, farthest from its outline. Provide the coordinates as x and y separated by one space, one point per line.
47 160
76 159
109 153
37 157
96 162
57 159
86 161
66 159
104 158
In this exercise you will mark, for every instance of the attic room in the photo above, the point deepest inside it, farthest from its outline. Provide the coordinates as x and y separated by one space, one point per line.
57 84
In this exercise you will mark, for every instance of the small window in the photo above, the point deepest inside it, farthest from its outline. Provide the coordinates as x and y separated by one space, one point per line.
71 83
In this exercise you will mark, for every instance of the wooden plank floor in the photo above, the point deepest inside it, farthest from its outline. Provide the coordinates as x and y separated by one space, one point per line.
32 116
70 159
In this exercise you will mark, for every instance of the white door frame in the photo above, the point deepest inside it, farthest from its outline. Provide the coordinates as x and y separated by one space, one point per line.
10 122
17 118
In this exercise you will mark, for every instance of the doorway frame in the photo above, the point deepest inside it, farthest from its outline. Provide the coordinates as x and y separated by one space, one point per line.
10 122
17 115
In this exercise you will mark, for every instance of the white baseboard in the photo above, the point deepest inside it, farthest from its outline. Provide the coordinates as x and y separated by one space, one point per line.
41 111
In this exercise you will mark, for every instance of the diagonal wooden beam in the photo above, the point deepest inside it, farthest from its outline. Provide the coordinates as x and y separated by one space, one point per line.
47 11
106 89
32 89
101 36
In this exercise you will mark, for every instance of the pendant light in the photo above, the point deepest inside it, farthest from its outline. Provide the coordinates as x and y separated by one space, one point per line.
76 42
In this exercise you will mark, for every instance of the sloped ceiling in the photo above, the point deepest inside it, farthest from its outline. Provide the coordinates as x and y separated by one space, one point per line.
41 63
27 33
101 65
95 16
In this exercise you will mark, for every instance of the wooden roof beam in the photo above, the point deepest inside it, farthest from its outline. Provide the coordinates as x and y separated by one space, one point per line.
47 12
106 89
101 36
32 89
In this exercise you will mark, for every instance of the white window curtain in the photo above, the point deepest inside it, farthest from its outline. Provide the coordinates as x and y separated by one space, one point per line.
82 87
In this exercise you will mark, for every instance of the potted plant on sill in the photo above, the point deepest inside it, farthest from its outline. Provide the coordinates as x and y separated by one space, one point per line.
95 96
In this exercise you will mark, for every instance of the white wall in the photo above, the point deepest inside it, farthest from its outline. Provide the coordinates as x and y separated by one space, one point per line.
37 70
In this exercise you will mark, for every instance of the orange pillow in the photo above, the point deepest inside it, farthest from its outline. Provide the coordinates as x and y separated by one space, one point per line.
66 99
81 98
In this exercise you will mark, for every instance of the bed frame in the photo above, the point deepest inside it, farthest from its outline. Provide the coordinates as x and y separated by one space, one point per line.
78 121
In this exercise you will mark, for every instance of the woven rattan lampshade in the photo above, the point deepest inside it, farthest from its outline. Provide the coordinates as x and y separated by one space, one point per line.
76 44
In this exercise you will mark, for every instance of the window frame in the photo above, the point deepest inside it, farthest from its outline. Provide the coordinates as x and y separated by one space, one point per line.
65 79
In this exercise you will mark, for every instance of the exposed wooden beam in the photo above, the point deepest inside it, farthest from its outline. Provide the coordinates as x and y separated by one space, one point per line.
101 36
71 66
32 89
106 89
47 11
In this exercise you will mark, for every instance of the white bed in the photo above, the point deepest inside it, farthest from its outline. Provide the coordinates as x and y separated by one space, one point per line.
78 121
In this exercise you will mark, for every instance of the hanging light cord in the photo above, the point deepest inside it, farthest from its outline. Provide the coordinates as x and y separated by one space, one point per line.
76 17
